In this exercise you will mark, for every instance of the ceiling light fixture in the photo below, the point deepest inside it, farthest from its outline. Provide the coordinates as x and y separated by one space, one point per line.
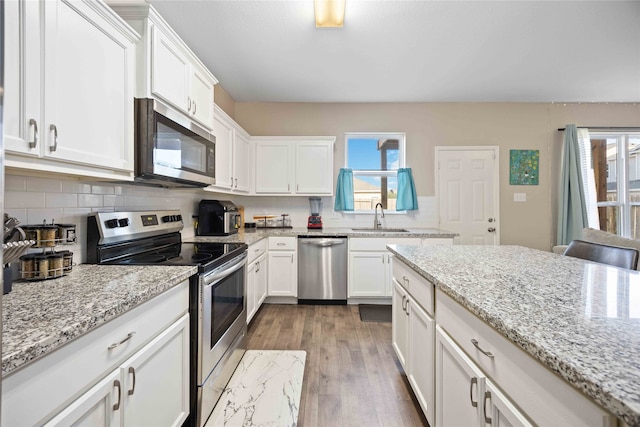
329 13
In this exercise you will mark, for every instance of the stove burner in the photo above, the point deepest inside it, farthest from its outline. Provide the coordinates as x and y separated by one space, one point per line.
201 257
149 259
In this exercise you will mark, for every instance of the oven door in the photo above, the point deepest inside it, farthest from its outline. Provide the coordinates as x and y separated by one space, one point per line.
222 313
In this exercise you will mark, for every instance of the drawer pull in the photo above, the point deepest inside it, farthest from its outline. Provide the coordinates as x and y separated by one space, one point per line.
487 396
474 381
132 371
405 279
116 405
116 344
486 353
281 244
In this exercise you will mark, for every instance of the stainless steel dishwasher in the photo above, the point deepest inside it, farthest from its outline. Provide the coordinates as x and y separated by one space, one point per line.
322 270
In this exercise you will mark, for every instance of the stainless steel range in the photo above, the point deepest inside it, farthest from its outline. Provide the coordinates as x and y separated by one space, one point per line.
217 293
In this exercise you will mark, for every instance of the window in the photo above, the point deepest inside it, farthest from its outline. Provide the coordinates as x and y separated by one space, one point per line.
617 177
375 159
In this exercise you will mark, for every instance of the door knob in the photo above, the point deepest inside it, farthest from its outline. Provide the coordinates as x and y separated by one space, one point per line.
491 229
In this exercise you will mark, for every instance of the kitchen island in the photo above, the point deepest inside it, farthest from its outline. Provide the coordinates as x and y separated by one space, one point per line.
580 320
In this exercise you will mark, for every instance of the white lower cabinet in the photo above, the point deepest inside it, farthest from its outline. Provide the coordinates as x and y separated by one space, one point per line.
256 285
465 397
151 388
99 407
413 341
370 265
131 371
283 267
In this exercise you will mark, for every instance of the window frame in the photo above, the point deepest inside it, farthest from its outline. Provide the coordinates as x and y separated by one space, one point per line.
622 174
402 144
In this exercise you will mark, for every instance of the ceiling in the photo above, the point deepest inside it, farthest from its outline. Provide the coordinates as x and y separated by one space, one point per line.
417 51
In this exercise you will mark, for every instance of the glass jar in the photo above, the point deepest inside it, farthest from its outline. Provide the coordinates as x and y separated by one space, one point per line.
48 235
56 265
41 267
27 266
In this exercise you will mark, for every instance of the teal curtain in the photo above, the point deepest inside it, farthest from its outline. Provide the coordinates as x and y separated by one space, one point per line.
407 196
572 206
344 190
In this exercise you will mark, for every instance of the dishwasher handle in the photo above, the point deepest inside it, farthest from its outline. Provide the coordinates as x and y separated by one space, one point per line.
323 242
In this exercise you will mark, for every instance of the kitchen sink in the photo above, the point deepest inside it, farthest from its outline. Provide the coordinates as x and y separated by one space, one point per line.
381 230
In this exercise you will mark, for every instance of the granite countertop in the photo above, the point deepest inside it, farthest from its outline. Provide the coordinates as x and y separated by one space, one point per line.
580 319
38 317
250 237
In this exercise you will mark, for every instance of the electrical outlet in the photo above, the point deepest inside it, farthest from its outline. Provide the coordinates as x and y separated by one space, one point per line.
519 197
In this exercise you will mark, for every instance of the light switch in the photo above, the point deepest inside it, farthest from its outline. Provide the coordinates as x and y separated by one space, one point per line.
519 197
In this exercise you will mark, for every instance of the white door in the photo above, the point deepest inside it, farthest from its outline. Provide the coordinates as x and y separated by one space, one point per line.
223 131
368 273
273 166
421 362
400 324
467 191
88 88
459 384
202 98
241 153
498 411
252 269
156 386
101 406
283 274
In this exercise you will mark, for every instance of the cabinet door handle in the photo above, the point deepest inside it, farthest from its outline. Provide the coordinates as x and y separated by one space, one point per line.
487 396
257 266
404 297
188 103
407 310
288 187
54 147
474 381
195 107
116 405
34 143
236 179
231 179
116 344
486 353
132 371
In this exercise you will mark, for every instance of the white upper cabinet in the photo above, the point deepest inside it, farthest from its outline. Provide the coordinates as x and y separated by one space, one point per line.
232 154
69 88
167 68
295 165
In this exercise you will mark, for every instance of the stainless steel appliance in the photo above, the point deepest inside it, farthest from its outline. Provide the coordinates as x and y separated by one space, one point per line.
217 218
170 150
217 293
322 270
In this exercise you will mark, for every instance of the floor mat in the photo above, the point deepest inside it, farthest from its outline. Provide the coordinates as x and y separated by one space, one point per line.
375 313
264 390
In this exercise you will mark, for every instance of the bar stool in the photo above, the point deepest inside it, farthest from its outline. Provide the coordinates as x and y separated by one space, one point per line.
613 255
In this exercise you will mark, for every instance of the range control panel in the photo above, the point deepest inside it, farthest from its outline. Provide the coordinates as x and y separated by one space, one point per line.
119 226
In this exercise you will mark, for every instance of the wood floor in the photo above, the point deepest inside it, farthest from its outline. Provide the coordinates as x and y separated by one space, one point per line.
352 376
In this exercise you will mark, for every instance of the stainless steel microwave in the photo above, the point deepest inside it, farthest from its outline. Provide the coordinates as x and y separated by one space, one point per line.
171 150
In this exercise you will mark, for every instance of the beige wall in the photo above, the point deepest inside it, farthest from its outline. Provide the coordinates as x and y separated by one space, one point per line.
224 101
507 125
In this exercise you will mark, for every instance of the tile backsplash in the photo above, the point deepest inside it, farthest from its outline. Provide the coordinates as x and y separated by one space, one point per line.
34 199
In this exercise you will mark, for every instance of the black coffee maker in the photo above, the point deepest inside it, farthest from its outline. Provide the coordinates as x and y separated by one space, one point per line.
217 218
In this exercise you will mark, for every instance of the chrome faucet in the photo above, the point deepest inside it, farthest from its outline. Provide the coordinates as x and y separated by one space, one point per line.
376 221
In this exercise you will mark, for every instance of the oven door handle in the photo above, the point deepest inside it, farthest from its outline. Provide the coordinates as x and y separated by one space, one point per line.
216 276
